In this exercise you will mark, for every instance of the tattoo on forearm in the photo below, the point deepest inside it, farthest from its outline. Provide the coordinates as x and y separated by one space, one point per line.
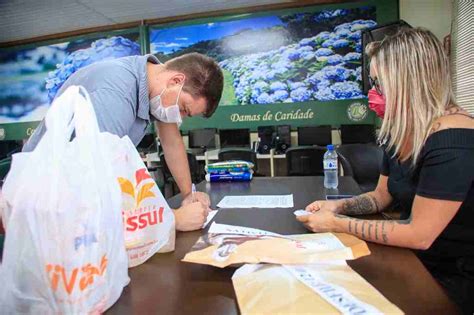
371 230
364 204
376 232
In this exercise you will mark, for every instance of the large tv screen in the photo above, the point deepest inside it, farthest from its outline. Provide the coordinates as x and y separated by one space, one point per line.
306 56
30 77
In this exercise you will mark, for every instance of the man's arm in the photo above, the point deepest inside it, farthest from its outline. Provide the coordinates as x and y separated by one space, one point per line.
175 155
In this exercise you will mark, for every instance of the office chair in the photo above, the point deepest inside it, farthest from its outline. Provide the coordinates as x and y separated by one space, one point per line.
357 134
230 154
362 162
315 135
305 161
197 173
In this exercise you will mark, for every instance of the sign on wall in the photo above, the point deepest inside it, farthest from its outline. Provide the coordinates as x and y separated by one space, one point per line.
31 76
295 67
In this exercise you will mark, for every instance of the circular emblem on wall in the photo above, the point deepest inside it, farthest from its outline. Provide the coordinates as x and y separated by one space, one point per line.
357 111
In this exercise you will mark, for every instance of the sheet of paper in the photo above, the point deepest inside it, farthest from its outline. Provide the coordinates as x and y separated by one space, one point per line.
210 216
257 201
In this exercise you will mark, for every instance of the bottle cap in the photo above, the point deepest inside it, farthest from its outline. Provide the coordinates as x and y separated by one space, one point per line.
330 147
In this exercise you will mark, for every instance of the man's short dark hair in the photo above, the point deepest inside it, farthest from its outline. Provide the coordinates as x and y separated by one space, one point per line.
204 78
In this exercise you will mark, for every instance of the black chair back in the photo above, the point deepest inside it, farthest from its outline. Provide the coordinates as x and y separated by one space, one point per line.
232 154
357 134
315 135
305 161
362 162
194 167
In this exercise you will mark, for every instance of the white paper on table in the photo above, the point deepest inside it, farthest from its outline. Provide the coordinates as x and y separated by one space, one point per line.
210 216
257 201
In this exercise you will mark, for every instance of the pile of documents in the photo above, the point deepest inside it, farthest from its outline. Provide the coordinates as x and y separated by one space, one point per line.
238 171
291 274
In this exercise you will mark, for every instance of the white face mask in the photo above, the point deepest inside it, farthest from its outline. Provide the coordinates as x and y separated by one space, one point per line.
170 114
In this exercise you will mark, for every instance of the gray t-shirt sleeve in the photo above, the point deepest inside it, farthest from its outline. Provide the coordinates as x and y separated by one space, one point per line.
115 113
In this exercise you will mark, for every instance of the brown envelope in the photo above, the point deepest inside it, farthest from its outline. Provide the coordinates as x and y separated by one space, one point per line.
222 250
274 290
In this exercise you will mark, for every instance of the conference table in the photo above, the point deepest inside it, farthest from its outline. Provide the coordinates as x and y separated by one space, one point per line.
165 285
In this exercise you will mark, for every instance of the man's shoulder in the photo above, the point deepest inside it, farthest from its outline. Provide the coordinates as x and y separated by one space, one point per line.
116 74
125 65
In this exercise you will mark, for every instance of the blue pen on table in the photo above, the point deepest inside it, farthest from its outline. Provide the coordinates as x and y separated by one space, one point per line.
193 192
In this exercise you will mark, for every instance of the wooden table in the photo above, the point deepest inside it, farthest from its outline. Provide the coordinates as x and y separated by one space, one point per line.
165 285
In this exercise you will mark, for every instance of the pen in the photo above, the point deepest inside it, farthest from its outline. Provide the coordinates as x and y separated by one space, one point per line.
193 192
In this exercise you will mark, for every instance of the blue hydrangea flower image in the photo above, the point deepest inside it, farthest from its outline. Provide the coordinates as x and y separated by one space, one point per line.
346 26
260 86
323 52
324 95
359 25
317 77
294 55
334 60
343 32
308 55
307 42
355 36
301 94
275 86
279 96
352 56
310 69
264 98
346 89
328 43
323 84
341 43
323 36
295 85
358 73
336 73
102 49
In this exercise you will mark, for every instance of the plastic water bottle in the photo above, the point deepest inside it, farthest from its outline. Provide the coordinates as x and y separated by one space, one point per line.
330 168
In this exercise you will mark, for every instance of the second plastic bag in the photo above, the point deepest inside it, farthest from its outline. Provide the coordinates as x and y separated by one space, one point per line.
149 225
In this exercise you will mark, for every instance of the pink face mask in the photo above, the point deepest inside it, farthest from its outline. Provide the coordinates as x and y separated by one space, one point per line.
377 103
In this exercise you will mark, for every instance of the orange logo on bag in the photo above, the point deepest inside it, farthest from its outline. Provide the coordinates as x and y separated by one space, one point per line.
145 191
59 276
145 219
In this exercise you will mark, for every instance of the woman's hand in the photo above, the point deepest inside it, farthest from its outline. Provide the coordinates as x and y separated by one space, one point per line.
320 221
324 205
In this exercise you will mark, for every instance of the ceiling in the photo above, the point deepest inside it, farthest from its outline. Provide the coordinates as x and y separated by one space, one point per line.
24 19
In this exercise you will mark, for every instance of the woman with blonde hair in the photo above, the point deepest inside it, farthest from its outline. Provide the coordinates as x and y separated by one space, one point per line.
428 167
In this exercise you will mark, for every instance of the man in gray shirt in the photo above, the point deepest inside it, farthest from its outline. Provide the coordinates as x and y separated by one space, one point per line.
127 92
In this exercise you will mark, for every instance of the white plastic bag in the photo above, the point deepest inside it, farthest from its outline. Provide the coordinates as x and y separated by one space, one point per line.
64 247
149 225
